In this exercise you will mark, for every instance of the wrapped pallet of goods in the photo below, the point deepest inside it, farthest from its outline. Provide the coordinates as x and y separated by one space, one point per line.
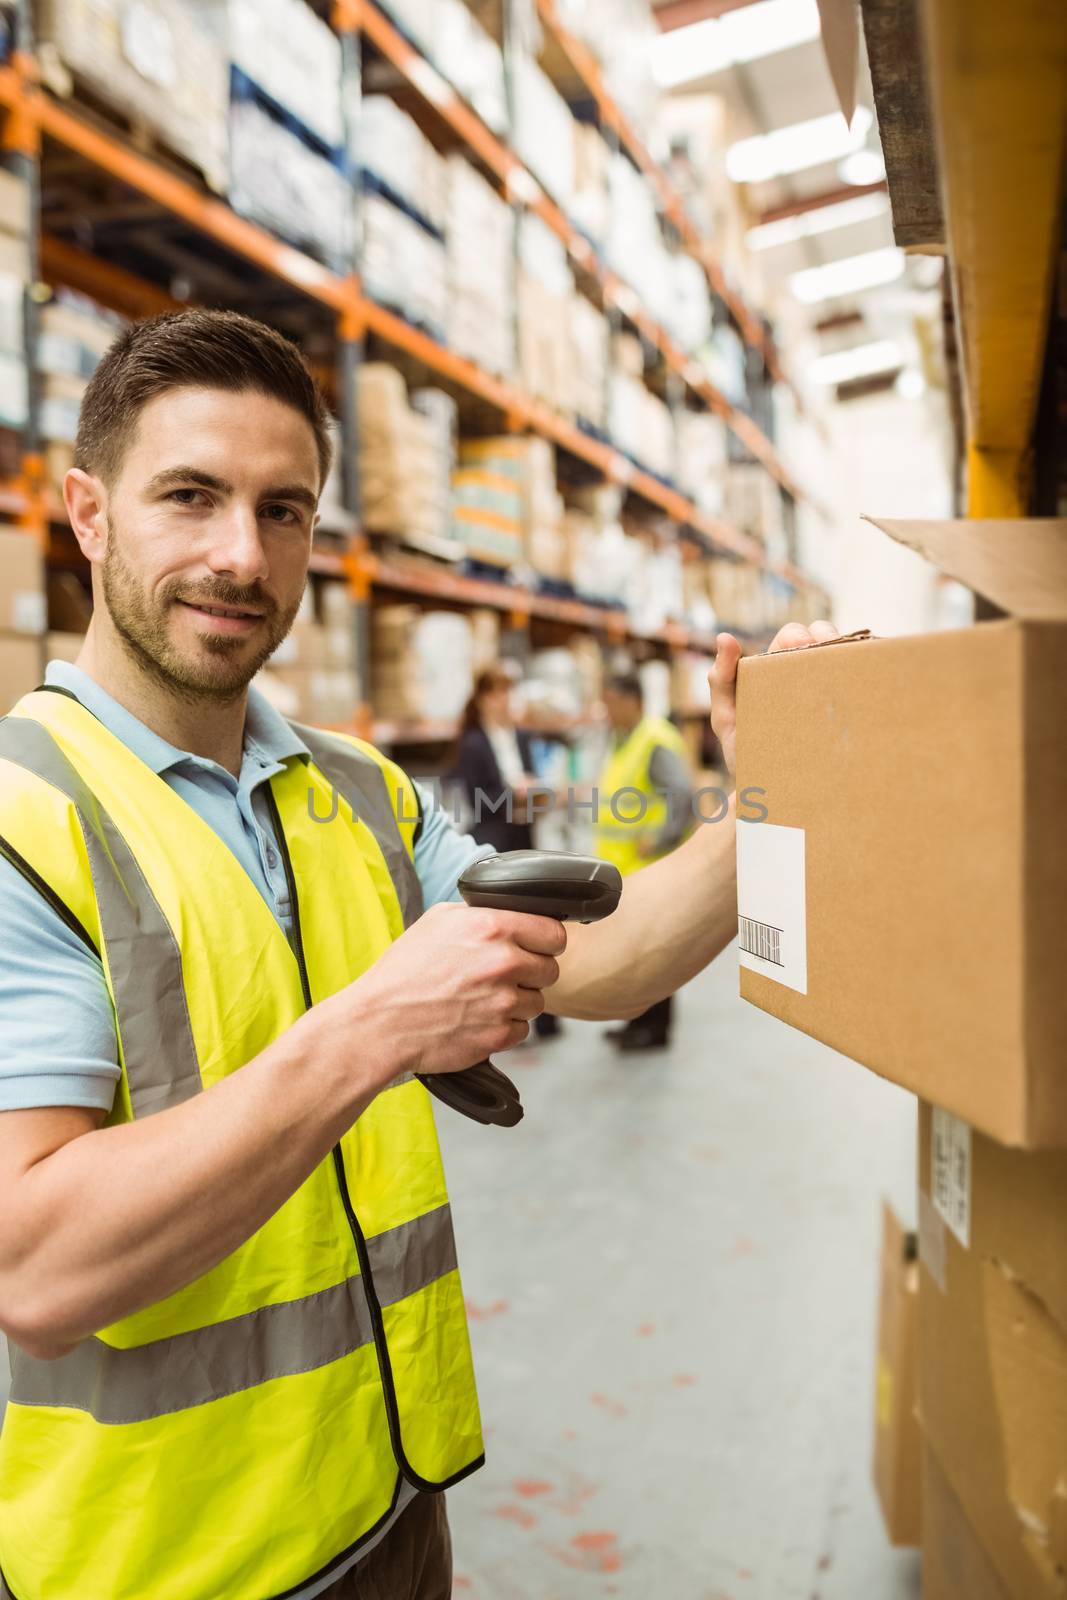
14 278
156 65
288 158
421 663
480 270
543 130
544 291
505 507
404 265
634 247
589 203
590 336
640 424
23 615
752 501
395 154
403 463
470 59
73 334
702 458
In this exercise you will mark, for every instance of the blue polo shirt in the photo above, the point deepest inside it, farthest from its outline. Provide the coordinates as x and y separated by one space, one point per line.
57 1028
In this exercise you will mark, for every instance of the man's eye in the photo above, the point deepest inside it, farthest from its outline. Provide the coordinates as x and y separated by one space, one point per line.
280 513
185 497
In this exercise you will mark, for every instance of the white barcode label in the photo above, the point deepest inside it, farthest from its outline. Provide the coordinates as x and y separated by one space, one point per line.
772 931
950 1173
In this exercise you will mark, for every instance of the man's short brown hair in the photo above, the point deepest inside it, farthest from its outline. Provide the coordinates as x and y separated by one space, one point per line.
191 349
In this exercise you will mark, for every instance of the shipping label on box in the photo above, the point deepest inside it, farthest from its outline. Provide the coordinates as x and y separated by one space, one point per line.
771 905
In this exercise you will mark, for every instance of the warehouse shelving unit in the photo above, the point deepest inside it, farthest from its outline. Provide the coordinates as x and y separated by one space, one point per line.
36 123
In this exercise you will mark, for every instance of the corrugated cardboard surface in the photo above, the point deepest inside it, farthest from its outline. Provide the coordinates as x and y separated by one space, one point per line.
22 603
21 669
897 1442
993 1356
955 1565
925 815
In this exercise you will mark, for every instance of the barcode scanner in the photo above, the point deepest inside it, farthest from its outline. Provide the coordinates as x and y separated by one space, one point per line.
546 883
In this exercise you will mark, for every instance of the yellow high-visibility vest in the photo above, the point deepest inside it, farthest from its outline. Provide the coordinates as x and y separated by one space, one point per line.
629 808
243 1435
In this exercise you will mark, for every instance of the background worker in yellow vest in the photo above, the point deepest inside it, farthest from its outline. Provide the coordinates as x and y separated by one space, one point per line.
240 1362
644 810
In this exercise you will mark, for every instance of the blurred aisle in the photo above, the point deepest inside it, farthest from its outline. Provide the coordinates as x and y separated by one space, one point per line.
672 1272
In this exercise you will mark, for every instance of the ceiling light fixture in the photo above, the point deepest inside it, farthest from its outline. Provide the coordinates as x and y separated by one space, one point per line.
862 166
861 361
684 54
848 276
802 144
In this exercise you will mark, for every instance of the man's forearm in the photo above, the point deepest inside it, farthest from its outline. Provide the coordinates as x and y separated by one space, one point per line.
120 1217
674 917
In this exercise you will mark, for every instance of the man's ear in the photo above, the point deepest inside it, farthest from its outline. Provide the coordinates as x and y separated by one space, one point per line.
85 497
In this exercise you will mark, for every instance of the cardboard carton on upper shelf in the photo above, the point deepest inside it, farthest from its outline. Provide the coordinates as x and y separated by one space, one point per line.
897 1443
955 1565
22 597
21 668
993 1344
903 902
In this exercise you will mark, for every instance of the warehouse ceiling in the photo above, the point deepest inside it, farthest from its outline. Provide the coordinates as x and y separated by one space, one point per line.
832 213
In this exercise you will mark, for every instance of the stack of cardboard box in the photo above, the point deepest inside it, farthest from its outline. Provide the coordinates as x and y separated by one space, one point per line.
74 333
404 460
904 903
315 665
544 290
22 615
480 256
506 508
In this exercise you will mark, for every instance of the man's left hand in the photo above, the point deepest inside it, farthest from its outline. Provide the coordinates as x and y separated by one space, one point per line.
723 677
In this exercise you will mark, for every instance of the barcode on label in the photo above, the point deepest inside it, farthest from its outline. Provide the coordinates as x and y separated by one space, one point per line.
760 939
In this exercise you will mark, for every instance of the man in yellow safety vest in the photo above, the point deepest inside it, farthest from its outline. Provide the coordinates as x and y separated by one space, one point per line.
643 810
228 943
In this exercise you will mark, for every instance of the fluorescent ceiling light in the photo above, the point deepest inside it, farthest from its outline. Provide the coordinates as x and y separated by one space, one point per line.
684 54
862 166
848 276
824 219
862 361
803 144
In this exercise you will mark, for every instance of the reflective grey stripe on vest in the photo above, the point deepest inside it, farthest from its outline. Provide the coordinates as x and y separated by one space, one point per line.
360 781
142 953
190 1369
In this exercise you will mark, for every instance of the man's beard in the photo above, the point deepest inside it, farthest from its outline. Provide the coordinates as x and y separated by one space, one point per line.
225 668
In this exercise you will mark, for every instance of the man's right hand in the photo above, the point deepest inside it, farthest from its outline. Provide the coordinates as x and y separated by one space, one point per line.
459 984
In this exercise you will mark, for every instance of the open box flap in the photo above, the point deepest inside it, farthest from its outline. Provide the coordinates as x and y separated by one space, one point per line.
1020 564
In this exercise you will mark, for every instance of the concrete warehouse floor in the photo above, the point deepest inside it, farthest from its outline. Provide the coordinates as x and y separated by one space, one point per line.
671 1267
672 1271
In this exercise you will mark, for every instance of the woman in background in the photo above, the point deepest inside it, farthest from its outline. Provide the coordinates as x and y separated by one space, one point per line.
494 764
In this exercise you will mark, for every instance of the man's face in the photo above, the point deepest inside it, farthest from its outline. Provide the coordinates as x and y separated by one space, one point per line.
622 709
209 528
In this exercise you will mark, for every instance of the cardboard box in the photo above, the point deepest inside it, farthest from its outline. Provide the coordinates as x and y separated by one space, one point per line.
21 669
993 1344
955 1565
22 594
897 1442
904 900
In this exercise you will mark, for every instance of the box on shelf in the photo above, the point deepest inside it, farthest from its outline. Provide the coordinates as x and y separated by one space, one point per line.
752 502
289 52
155 64
74 333
702 458
404 266
993 1344
640 424
543 129
897 1441
394 149
317 695
421 663
288 182
589 202
21 667
504 495
589 331
916 790
480 270
470 59
403 461
23 609
546 353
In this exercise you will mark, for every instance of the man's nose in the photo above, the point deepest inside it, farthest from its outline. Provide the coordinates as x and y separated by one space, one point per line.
236 547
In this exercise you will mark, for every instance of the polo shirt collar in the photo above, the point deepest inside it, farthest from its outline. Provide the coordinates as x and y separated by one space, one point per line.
265 727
